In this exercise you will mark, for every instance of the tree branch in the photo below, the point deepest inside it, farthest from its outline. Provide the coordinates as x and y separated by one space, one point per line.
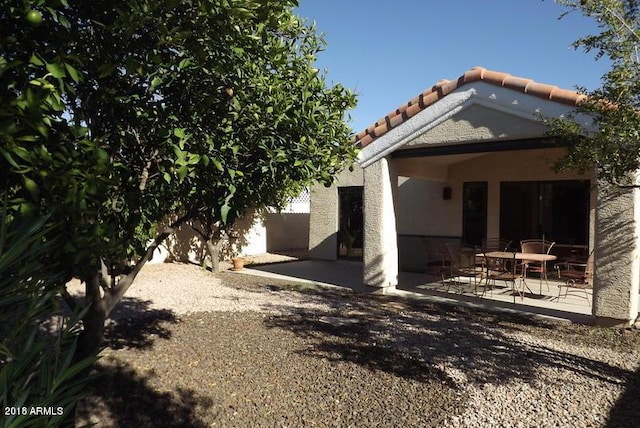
199 232
105 278
92 290
115 294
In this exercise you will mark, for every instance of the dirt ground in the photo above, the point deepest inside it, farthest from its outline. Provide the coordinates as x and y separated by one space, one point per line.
270 353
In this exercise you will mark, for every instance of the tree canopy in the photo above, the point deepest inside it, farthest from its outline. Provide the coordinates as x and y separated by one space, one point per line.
613 145
115 115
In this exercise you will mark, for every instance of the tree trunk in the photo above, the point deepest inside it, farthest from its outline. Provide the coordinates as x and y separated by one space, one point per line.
213 248
101 301
90 339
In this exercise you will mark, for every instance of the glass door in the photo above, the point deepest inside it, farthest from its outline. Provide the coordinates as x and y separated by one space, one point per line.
555 210
350 231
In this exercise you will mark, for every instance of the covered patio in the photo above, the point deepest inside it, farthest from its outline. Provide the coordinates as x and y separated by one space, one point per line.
467 160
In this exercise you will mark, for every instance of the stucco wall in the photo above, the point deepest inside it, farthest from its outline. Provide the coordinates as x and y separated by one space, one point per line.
323 221
616 262
186 246
286 231
477 123
380 260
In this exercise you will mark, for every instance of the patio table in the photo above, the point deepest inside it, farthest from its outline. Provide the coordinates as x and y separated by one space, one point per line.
531 257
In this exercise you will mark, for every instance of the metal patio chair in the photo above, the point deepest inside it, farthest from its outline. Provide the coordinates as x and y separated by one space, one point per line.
508 270
578 277
460 263
538 246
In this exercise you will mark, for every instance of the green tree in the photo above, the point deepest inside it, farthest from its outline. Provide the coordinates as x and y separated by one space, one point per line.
116 115
613 143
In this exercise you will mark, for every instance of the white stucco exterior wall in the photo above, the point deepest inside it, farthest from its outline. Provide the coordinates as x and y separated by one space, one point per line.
617 258
380 234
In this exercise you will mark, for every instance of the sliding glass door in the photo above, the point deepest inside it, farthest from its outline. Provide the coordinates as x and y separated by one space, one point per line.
555 210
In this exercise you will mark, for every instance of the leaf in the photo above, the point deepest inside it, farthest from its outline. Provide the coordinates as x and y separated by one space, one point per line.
156 82
32 188
28 138
182 172
224 212
179 132
106 70
56 70
217 164
73 73
35 60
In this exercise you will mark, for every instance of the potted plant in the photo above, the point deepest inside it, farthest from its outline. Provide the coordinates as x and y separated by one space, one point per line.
238 263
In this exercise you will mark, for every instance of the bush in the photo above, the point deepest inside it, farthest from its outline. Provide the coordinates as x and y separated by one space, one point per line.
40 382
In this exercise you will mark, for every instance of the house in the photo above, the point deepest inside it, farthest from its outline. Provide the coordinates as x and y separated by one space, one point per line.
469 159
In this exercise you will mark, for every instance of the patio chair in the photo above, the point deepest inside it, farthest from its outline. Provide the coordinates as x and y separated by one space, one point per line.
460 262
507 270
493 244
538 246
435 262
578 276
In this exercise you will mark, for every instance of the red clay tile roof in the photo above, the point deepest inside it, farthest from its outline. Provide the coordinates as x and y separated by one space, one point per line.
445 87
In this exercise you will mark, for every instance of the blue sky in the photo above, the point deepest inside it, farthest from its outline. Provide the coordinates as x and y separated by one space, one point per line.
390 51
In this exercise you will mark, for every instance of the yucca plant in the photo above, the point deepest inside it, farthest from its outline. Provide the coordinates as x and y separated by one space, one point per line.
40 383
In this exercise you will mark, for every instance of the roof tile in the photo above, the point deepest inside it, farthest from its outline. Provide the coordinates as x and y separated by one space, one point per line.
444 87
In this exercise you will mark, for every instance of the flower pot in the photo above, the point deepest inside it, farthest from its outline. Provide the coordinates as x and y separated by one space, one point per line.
238 263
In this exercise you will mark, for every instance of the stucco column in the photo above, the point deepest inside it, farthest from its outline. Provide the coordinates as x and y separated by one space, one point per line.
617 263
380 236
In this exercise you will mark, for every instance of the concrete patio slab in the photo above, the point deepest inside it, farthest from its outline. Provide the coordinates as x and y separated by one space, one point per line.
348 274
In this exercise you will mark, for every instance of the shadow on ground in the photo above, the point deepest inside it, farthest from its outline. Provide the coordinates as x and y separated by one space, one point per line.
122 397
418 340
134 324
626 411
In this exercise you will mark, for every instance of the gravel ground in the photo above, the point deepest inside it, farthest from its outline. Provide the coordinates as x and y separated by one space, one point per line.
190 348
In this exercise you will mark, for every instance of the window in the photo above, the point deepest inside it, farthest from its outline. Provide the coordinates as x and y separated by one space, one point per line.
474 212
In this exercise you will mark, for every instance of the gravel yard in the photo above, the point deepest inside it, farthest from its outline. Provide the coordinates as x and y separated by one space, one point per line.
190 348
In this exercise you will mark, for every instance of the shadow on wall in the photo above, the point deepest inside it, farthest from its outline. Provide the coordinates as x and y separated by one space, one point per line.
286 231
374 275
327 249
255 233
185 245
617 232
